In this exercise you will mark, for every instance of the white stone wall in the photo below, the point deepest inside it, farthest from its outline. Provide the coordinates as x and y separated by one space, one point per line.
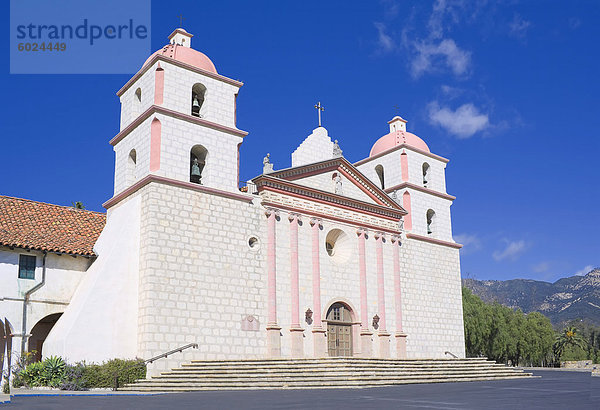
219 99
437 179
130 107
432 300
420 203
138 139
316 147
198 275
391 169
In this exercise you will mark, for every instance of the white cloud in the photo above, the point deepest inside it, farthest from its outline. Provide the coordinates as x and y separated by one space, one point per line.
464 122
512 251
471 242
518 26
430 55
385 42
541 267
584 271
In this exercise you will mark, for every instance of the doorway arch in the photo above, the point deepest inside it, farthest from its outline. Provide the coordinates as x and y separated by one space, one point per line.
39 333
340 321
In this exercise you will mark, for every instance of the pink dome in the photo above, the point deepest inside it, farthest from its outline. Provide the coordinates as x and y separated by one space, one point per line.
186 55
396 138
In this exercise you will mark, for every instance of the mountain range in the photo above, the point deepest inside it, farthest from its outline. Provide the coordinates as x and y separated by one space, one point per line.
567 299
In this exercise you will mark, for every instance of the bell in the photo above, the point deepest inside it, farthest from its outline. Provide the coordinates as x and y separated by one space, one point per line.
196 106
195 174
429 231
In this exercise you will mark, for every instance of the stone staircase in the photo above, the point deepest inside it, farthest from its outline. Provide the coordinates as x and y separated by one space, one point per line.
321 373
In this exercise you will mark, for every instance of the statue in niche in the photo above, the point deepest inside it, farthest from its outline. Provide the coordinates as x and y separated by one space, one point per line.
267 165
337 151
337 179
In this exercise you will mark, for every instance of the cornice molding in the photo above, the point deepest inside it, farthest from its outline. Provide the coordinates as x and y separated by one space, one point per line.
173 182
433 240
155 109
401 146
416 187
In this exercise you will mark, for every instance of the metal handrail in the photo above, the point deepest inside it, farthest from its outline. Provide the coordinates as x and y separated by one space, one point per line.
160 356
451 354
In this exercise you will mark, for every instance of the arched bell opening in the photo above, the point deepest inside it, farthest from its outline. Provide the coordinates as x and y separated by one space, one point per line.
198 156
198 93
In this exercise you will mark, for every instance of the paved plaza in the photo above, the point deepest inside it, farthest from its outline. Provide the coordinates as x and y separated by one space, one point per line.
554 390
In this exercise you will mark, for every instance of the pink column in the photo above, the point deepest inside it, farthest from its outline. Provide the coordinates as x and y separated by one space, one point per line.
155 137
404 166
380 282
384 336
365 334
273 334
159 85
407 207
295 298
400 336
297 332
319 339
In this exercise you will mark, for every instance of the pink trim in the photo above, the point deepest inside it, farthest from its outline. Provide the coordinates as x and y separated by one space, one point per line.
404 165
432 240
295 297
397 285
380 282
155 109
271 269
316 274
158 57
328 217
159 85
362 267
401 146
407 207
421 189
173 182
155 137
337 205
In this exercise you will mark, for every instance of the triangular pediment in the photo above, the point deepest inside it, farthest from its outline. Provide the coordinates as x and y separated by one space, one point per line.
339 177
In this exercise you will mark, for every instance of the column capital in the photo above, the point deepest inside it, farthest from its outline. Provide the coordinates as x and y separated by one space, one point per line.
361 231
294 216
379 235
397 238
316 221
271 211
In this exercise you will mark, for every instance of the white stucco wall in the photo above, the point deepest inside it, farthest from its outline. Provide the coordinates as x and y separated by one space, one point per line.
316 147
100 323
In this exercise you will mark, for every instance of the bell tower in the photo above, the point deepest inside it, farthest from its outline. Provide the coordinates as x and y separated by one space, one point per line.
178 121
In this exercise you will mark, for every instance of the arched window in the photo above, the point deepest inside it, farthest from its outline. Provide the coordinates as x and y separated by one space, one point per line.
131 165
430 221
138 96
197 163
426 173
198 92
379 171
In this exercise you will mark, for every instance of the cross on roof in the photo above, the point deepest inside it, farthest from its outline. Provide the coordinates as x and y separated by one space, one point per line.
181 18
319 108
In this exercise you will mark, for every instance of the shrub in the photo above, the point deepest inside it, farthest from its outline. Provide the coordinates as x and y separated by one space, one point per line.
6 388
32 375
53 372
74 377
103 375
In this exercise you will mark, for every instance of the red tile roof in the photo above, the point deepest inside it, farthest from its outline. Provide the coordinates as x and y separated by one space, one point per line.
46 227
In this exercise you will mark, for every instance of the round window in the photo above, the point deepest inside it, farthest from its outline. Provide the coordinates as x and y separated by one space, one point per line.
338 246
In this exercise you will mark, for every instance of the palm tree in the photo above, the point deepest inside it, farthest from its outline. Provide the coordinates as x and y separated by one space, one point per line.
78 205
569 337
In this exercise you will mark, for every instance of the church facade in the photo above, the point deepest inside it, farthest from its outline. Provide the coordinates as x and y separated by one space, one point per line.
325 258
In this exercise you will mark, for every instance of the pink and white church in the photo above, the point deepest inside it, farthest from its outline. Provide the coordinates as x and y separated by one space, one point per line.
326 258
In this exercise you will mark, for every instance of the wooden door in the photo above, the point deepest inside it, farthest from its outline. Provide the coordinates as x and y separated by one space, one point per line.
339 339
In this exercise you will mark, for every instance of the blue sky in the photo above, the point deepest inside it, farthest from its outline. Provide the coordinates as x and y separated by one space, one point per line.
507 90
